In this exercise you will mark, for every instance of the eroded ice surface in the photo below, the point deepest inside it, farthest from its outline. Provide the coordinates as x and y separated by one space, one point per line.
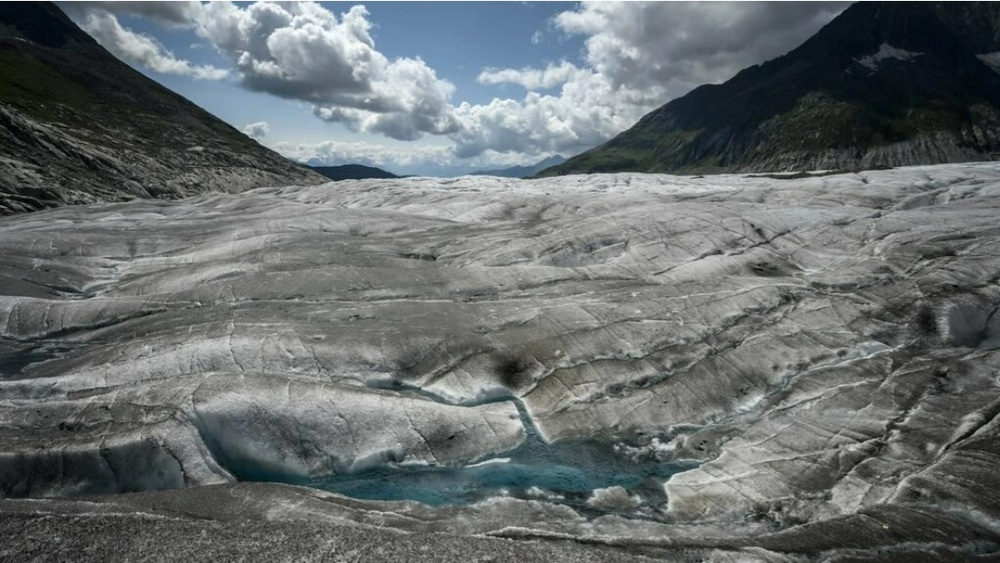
738 349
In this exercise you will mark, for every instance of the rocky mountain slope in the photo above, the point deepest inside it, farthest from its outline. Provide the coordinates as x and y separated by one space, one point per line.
77 125
727 368
884 84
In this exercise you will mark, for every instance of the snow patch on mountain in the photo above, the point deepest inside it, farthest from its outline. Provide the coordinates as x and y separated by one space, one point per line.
991 60
886 51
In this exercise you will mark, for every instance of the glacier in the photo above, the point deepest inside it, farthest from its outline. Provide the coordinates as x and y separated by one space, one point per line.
738 367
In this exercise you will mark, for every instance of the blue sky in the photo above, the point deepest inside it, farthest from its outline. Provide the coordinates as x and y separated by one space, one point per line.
441 88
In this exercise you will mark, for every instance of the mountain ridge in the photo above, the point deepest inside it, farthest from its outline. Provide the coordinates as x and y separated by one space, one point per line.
522 171
883 84
353 172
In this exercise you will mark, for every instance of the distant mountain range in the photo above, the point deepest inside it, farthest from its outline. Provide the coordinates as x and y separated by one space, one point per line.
353 172
78 126
522 171
883 84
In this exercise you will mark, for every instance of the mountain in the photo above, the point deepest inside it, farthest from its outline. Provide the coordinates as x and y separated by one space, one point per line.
523 171
883 84
353 172
79 126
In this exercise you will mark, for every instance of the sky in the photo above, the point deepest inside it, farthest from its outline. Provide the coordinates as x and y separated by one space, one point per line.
441 88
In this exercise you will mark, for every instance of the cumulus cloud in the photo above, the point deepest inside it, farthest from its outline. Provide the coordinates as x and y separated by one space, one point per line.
141 49
676 46
587 111
305 52
257 130
531 78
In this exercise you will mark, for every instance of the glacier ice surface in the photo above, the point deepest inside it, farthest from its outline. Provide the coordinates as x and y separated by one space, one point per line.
554 354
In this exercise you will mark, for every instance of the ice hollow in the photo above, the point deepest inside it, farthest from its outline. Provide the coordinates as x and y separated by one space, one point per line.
270 428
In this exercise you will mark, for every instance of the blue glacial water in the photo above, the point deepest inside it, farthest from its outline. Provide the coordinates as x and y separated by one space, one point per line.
571 469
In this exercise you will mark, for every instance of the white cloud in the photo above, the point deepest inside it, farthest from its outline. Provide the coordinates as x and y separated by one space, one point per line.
303 51
257 130
676 46
531 78
141 49
587 111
